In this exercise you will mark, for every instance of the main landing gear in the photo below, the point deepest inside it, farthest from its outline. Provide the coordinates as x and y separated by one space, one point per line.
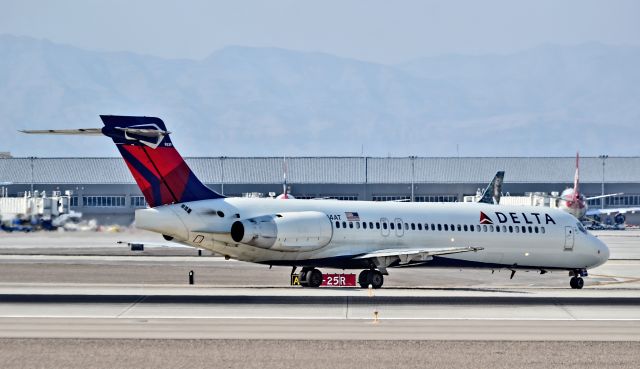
370 277
312 277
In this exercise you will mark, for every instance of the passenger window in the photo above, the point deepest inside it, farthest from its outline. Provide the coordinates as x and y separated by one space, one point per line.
392 225
459 228
384 225
530 229
406 226
344 224
536 229
453 228
400 226
517 229
413 226
497 228
357 225
433 227
510 229
419 226
490 228
471 228
439 227
371 225
465 228
541 229
504 229
484 228
337 224
364 225
350 224
378 225
446 227
524 229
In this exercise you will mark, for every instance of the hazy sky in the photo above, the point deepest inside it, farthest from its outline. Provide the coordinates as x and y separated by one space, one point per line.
381 31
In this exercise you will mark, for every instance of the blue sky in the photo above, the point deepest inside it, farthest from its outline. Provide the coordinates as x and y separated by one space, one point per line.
380 31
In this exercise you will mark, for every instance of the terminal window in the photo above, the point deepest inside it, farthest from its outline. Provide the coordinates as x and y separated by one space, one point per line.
103 201
138 202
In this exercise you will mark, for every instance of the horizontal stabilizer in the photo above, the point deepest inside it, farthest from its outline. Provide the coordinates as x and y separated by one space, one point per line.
78 131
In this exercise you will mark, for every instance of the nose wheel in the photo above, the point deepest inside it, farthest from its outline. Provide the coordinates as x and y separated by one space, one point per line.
576 283
370 277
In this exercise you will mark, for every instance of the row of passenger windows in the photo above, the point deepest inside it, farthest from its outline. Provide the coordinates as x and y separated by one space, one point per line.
441 227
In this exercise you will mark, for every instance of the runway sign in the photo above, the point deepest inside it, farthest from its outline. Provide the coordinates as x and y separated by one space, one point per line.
330 280
339 280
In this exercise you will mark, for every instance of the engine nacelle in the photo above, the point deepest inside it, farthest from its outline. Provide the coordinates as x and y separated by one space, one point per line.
295 231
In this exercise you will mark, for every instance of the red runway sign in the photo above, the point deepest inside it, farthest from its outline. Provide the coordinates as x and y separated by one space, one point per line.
339 280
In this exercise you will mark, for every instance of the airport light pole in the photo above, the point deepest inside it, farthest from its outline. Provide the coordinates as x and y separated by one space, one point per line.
32 158
604 159
413 173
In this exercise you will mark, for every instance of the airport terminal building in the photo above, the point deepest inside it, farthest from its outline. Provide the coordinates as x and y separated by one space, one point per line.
104 189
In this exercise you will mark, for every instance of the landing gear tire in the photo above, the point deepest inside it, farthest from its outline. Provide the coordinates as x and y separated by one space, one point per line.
576 283
370 277
363 279
313 278
376 279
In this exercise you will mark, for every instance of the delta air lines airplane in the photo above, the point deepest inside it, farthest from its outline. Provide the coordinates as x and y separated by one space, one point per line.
366 235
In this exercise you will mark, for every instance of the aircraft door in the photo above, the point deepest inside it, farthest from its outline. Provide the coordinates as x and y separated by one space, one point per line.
569 238
384 227
399 227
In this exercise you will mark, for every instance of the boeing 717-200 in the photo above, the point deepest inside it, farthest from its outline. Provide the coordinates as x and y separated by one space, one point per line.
366 235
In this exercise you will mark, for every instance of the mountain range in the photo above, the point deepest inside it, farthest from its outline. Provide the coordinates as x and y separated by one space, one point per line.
244 101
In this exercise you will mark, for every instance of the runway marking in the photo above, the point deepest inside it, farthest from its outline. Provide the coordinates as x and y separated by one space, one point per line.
132 305
166 317
618 281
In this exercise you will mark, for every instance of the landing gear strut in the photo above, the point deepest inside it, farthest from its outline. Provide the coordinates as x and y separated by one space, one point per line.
310 277
370 277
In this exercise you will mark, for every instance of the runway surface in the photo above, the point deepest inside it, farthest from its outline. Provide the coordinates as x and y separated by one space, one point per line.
78 300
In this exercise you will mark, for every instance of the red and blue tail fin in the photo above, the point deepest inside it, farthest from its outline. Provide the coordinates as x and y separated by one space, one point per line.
160 171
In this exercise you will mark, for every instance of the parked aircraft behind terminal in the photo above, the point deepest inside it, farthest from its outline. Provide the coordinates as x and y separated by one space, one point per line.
372 236
574 202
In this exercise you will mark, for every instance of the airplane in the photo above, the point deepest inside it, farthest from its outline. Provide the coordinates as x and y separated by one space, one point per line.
575 203
371 236
285 195
493 192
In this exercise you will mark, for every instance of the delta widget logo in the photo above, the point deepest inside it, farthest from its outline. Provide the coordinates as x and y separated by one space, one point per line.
484 219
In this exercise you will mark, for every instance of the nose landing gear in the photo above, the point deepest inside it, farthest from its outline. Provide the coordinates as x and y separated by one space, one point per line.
370 277
576 282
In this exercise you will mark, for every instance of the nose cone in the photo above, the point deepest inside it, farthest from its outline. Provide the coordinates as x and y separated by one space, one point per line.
601 251
162 220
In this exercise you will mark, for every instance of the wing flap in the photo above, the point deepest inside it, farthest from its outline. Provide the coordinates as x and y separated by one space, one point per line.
406 255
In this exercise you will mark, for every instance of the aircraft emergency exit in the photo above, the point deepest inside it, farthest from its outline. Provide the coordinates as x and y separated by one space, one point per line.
366 235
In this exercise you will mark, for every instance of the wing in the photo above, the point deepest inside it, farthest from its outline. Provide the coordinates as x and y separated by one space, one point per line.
609 211
388 256
156 244
603 196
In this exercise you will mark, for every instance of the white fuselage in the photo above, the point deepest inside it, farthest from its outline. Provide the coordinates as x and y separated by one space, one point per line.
520 236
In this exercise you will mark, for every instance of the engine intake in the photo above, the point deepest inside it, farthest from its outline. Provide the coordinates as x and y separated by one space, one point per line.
294 231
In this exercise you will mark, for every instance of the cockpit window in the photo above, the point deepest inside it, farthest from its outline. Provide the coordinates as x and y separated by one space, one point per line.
581 228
